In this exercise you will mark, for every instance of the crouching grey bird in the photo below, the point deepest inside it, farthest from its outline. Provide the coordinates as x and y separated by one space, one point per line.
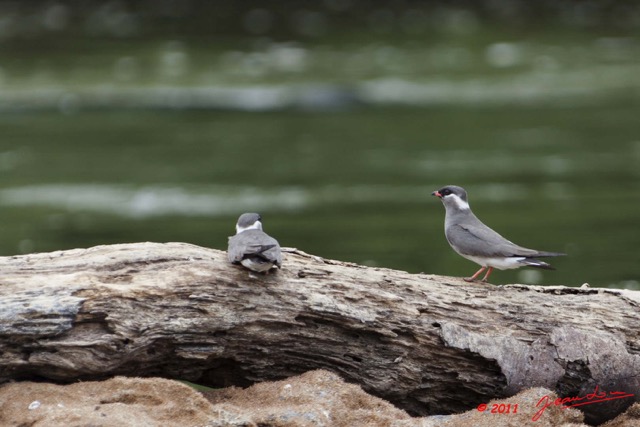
469 237
252 247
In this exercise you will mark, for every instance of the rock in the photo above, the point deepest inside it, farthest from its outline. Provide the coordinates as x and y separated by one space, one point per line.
630 418
496 413
316 398
124 402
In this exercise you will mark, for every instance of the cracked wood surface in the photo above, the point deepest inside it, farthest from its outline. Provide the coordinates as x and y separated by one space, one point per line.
429 344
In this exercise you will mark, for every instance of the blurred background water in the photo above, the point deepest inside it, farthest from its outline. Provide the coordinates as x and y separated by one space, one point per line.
164 120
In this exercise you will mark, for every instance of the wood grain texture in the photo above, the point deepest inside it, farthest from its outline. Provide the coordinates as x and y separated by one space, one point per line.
429 344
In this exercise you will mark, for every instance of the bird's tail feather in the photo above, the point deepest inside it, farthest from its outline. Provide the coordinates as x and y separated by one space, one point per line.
549 254
532 262
264 248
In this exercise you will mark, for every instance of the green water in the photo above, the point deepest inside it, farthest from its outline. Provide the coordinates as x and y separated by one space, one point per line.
352 185
124 123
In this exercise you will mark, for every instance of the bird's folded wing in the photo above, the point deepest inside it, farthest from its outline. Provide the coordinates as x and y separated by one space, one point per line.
256 243
483 241
235 252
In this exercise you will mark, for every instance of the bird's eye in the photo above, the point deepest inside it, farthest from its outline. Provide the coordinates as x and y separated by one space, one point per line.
445 192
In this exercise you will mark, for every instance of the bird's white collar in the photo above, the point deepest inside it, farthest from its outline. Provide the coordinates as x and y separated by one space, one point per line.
460 204
255 226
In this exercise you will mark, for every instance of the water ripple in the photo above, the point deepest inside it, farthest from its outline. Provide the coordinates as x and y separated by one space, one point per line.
158 200
534 87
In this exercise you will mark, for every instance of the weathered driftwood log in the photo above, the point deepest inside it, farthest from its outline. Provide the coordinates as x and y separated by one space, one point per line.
429 344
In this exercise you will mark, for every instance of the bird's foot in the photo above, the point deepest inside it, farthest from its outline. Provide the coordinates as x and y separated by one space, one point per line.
485 279
475 276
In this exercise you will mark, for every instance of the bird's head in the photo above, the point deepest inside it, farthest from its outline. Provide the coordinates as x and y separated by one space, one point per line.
453 197
249 221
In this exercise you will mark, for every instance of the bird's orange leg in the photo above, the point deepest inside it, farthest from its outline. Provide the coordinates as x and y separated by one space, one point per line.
473 278
486 276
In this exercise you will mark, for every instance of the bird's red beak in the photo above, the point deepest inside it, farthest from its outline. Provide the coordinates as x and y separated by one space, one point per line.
437 194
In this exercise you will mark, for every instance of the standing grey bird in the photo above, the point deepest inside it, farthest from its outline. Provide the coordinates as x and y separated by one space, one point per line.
469 237
252 247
